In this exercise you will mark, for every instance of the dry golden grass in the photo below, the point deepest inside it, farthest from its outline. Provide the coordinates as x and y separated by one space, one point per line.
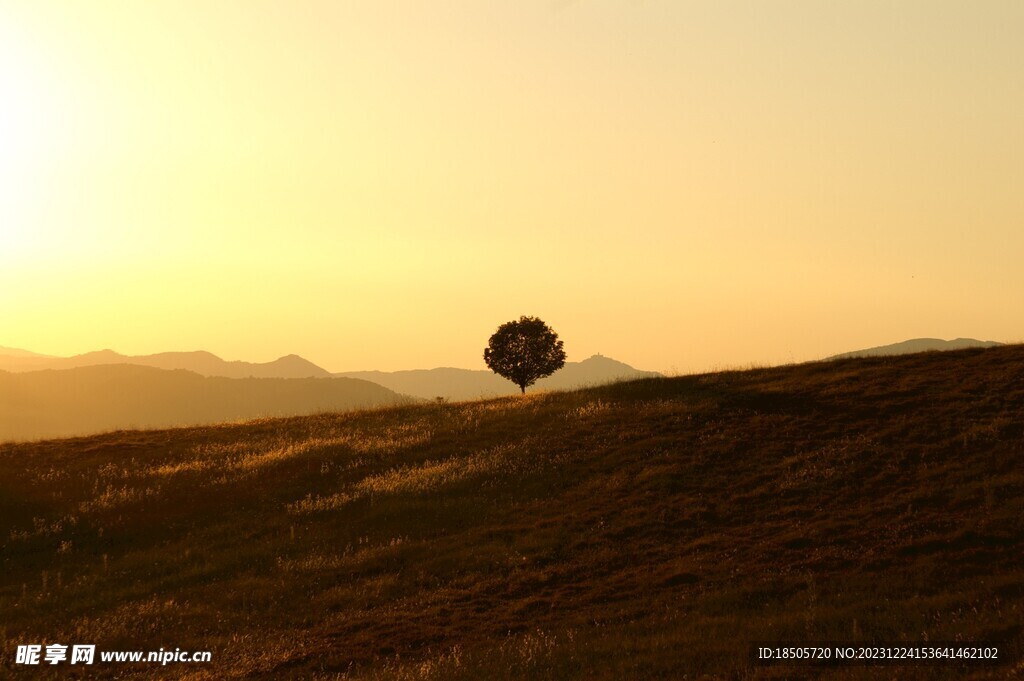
645 530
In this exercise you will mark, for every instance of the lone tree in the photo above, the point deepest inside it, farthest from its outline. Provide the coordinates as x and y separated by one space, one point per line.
524 351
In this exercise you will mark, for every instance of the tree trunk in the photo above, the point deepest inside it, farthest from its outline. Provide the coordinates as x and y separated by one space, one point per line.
523 389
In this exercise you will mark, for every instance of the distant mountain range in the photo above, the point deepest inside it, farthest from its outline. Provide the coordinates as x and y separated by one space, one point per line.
15 352
91 399
200 362
452 384
917 345
468 384
43 396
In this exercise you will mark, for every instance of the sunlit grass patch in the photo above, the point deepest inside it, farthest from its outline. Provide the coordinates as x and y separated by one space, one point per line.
317 504
126 620
506 459
349 557
245 457
589 409
113 497
190 466
509 459
532 654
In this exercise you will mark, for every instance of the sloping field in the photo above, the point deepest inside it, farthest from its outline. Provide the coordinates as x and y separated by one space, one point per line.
651 529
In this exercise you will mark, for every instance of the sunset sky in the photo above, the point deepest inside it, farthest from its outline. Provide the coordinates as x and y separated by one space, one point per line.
378 185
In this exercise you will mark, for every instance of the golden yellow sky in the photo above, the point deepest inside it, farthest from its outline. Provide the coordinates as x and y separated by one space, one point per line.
678 185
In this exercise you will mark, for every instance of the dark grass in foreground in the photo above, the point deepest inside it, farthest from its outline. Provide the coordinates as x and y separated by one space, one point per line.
645 530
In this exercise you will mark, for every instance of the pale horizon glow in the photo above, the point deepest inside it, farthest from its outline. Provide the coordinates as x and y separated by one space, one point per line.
678 185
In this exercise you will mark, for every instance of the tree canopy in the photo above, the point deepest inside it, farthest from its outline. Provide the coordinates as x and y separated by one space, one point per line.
523 351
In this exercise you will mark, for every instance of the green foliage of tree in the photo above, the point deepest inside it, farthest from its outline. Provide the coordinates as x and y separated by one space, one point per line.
524 351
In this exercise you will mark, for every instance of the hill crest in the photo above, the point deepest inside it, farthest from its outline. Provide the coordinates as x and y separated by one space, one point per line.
918 345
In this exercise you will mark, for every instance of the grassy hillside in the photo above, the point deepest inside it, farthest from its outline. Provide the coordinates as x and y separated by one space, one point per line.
643 530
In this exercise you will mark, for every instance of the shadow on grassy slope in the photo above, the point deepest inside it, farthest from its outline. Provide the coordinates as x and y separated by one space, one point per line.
641 530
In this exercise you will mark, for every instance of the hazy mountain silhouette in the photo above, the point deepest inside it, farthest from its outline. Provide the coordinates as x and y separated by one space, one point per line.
917 345
17 352
200 362
468 384
456 384
57 403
